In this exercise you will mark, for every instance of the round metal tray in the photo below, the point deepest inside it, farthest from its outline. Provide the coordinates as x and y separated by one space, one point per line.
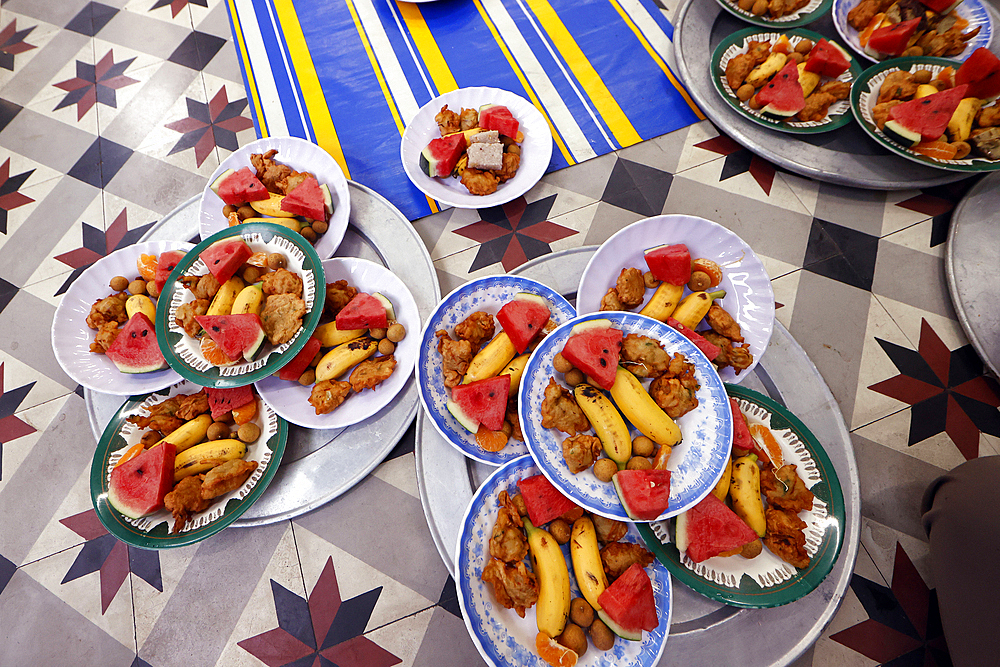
846 156
319 465
702 631
971 261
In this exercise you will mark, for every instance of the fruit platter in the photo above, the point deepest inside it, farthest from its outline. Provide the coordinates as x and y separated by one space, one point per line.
176 466
776 13
637 603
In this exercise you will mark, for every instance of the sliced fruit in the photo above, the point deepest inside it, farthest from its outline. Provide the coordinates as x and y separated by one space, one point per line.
468 423
890 41
135 349
146 264
213 353
709 529
224 257
441 155
484 401
543 500
981 72
271 206
237 335
165 263
645 494
554 653
364 311
766 441
523 318
828 59
670 263
596 354
390 312
490 441
238 187
306 200
927 117
137 487
223 401
628 605
782 96
297 366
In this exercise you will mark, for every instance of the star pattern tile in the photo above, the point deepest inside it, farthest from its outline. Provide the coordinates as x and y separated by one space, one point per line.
98 244
177 5
209 125
841 253
95 84
91 19
7 569
740 161
12 427
10 198
12 43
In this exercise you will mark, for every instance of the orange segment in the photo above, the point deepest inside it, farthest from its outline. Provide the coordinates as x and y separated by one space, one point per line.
491 441
258 259
234 219
765 439
553 652
872 26
245 413
937 150
213 353
146 264
132 452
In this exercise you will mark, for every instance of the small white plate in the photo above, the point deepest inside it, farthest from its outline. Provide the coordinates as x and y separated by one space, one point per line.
300 155
487 294
291 400
536 149
503 638
749 298
71 337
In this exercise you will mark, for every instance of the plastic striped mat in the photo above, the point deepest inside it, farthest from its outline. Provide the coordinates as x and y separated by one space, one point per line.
350 74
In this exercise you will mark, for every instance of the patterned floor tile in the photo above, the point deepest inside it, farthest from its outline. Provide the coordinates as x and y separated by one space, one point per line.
744 174
587 178
22 38
891 431
860 210
147 33
398 471
55 61
21 427
142 118
45 141
430 638
154 184
606 220
694 152
20 193
197 50
150 598
175 12
29 342
74 522
23 389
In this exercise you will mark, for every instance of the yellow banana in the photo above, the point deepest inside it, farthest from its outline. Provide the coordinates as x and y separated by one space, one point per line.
140 303
222 303
337 361
271 206
587 566
694 307
607 423
491 359
745 493
189 434
249 300
552 609
640 409
722 488
292 223
330 336
515 369
202 458
663 302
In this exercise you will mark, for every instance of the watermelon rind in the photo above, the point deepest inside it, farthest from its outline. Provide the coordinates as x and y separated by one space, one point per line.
621 497
681 540
467 422
390 312
895 131
327 199
218 182
590 325
630 635
771 110
251 350
428 163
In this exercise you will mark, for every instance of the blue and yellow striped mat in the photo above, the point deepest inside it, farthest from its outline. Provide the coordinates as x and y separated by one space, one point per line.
350 74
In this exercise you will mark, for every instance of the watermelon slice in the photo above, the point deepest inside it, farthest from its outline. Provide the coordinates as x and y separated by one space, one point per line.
981 72
544 501
782 96
595 351
224 257
670 263
224 401
165 263
364 311
237 335
645 494
743 443
710 349
890 41
137 487
441 155
709 529
239 187
297 366
523 318
498 117
307 200
628 605
923 119
828 59
135 349
482 402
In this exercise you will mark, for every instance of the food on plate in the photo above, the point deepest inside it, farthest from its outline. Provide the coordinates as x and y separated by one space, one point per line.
588 566
711 529
784 489
890 28
675 390
561 411
785 537
137 487
480 147
338 295
507 541
514 586
617 557
645 494
327 395
477 328
774 9
171 414
282 317
456 355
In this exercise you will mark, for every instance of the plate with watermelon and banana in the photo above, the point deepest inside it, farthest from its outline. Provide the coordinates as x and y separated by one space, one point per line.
104 332
559 606
925 110
261 182
771 530
469 369
625 416
779 14
240 305
794 81
176 466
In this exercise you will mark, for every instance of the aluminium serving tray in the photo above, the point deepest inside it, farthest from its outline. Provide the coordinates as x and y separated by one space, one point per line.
319 465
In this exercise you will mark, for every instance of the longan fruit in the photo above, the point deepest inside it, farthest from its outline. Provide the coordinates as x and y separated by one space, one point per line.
605 469
518 501
377 334
308 377
396 332
152 290
229 209
386 346
276 260
575 377
745 92
226 418
507 428
119 283
601 635
581 613
315 361
643 446
246 211
137 286
797 57
218 431
560 530
649 280
574 639
638 463
251 274
561 364
759 7
150 438
751 549
804 47
922 76
320 227
308 234
248 432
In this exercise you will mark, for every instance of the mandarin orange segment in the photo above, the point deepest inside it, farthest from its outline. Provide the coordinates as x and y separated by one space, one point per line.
131 453
243 414
491 441
258 259
937 150
765 438
553 652
213 353
146 264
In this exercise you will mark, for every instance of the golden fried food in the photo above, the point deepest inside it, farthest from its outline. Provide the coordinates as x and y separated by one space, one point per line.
455 358
515 421
841 90
282 317
186 314
898 85
276 177
785 537
674 390
193 405
338 295
759 51
880 112
817 107
580 452
513 585
511 162
226 477
644 356
619 556
185 500
508 542
479 183
630 287
170 413
950 43
784 489
560 410
371 372
723 323
104 337
989 117
109 309
468 119
608 530
737 356
282 281
327 395
448 121
203 287
738 68
477 328
862 14
610 301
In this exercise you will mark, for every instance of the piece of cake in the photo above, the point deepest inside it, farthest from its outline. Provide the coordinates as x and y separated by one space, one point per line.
487 137
486 157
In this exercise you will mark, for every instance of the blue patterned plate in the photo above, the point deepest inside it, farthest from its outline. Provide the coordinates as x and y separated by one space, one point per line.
487 294
502 637
696 463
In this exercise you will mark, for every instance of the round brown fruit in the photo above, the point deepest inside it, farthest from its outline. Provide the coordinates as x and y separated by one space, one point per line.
218 431
396 332
581 613
152 290
638 463
561 364
601 635
386 346
574 639
150 438
320 227
119 283
605 469
560 530
575 377
229 209
377 334
308 377
308 234
248 432
276 261
246 211
251 274
643 446
137 286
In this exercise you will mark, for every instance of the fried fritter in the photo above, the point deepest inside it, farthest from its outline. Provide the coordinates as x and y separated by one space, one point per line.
644 356
784 489
723 323
203 287
630 287
455 358
738 68
477 328
737 356
608 530
479 183
515 421
511 161
508 542
785 537
185 500
560 410
880 112
282 317
371 372
448 121
468 119
170 413
338 295
989 117
610 301
898 85
186 314
513 585
862 14
841 90
817 107
282 281
580 452
109 309
276 177
104 337
328 394
226 477
619 556
674 391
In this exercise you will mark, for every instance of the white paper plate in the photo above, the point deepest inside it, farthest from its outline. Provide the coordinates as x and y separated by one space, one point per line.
71 337
291 400
749 298
536 150
300 155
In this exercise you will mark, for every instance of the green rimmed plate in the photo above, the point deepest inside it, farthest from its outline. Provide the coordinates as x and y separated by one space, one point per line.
735 44
806 14
153 531
767 581
183 353
864 95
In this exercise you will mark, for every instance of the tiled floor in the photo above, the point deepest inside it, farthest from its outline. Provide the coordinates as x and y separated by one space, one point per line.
114 112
